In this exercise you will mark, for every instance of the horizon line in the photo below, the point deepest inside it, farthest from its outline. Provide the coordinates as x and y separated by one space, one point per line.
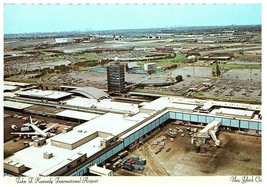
166 27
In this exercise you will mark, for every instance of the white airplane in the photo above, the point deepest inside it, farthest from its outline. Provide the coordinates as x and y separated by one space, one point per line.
14 127
37 131
25 127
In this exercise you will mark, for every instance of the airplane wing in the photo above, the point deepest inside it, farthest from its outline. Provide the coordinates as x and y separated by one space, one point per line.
49 128
39 131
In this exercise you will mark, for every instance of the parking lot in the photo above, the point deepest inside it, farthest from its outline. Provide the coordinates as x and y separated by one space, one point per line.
193 72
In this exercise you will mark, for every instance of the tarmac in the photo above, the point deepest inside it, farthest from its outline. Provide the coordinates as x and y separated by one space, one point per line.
238 154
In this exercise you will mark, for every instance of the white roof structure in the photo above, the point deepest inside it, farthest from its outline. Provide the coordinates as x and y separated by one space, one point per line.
32 157
233 105
83 138
81 101
9 94
229 111
91 92
47 94
61 164
138 117
168 102
108 123
9 88
191 104
77 115
16 105
132 65
16 83
63 40
104 104
70 87
100 171
207 106
108 104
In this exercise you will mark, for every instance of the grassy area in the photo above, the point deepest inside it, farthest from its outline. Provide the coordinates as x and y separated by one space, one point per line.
240 66
86 64
178 58
141 63
54 58
47 77
85 55
164 62
83 69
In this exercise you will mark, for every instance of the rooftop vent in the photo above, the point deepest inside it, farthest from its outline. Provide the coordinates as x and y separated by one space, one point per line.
47 155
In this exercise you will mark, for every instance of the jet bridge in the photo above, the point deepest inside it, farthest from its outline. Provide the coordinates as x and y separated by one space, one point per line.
209 131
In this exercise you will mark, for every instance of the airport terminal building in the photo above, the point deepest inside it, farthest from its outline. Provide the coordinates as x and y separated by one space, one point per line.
118 126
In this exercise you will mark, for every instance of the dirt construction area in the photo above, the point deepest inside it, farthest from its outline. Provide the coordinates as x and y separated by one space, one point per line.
238 154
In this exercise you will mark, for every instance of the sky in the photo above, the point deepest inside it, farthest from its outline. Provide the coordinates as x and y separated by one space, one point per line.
28 18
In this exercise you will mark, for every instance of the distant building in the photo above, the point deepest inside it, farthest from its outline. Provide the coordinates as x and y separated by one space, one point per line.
165 49
191 58
153 37
63 40
162 35
131 65
77 40
166 33
116 77
150 68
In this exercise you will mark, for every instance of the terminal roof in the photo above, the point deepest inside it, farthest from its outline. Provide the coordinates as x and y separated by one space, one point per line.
77 115
108 123
47 94
16 83
9 88
32 157
16 105
168 102
91 92
238 112
104 104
